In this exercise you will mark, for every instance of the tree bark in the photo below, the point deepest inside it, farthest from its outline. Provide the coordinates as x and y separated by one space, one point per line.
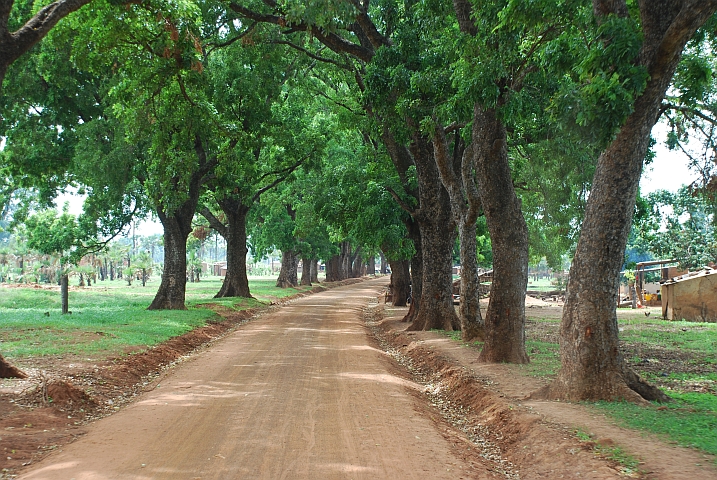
472 326
287 275
633 296
333 269
315 271
414 234
458 179
592 366
305 271
371 265
384 264
355 264
438 233
172 288
346 260
400 282
505 318
236 282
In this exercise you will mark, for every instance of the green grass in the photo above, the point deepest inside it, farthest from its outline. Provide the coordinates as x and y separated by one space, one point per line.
544 360
110 317
689 420
687 350
685 336
542 285
455 335
628 463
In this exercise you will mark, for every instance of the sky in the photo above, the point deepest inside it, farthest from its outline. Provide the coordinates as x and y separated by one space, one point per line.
668 171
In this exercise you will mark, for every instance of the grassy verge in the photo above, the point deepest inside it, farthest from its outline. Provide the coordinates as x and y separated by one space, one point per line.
629 463
679 357
109 318
690 420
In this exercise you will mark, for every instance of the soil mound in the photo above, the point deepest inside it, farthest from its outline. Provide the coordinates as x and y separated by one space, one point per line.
65 394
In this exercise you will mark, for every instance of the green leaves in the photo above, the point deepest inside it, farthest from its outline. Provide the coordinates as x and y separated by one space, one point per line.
599 93
678 225
51 234
327 14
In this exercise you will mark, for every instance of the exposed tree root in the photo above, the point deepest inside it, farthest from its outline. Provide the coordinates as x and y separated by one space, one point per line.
628 386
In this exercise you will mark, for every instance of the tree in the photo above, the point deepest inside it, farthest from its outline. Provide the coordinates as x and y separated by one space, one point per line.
281 133
591 364
349 30
143 263
502 73
160 103
678 225
51 234
356 177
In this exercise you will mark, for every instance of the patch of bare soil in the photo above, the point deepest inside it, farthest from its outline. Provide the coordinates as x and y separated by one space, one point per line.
63 393
536 439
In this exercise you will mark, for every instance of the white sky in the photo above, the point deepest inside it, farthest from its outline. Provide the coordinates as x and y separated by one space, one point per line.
669 170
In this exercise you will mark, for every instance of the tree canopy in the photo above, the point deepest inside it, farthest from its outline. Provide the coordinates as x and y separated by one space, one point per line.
336 130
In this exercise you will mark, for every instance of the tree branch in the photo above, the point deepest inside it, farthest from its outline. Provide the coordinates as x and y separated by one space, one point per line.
445 168
455 126
312 55
401 203
214 222
340 104
233 39
688 111
14 45
287 171
369 28
469 185
331 40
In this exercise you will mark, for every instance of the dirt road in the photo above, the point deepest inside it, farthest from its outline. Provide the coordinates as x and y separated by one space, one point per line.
298 393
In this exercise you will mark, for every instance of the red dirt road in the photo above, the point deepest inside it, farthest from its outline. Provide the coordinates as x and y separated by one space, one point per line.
300 392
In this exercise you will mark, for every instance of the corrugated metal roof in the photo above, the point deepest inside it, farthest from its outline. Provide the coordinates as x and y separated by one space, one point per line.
691 276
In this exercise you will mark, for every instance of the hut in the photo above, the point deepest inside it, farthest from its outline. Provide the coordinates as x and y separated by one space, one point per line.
692 296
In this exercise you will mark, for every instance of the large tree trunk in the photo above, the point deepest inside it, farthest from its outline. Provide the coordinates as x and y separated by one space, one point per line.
472 326
333 269
371 265
236 282
400 282
384 264
314 271
347 259
172 289
177 227
505 318
458 178
438 234
592 366
306 271
288 274
414 234
355 264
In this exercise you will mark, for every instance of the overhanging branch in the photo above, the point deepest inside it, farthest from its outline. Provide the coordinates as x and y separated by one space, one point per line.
412 212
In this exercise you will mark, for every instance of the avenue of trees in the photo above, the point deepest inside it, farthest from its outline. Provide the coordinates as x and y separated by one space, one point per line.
341 130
